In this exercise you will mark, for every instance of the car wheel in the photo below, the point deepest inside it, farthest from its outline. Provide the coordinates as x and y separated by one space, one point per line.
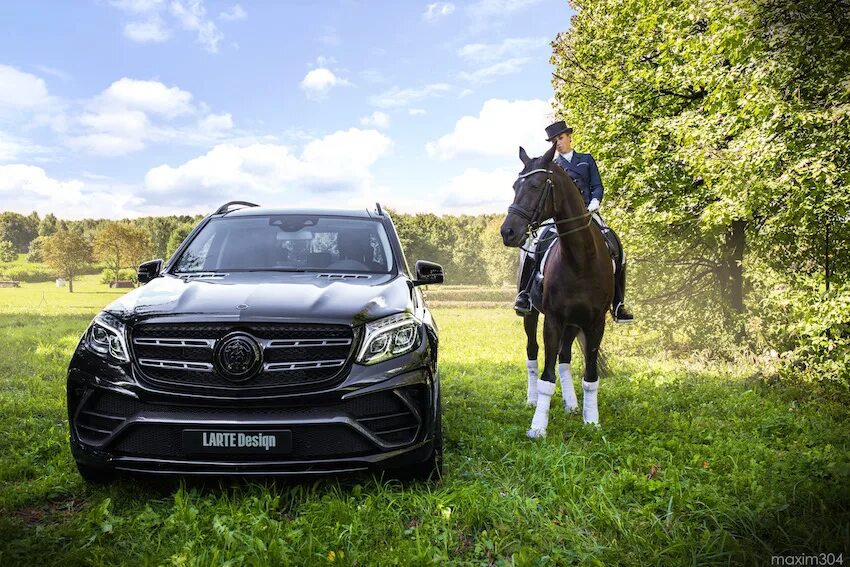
432 468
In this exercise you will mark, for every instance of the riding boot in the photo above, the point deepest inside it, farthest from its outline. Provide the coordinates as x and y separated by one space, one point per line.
522 305
618 307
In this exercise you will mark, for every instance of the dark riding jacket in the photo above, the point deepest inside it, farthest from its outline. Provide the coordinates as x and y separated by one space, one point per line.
584 172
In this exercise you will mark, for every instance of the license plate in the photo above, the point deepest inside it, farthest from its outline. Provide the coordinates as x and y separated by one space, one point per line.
255 442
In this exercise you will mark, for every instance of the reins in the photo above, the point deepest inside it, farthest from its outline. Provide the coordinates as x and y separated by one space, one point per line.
533 217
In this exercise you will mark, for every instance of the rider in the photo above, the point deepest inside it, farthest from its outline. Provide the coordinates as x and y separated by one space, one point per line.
584 172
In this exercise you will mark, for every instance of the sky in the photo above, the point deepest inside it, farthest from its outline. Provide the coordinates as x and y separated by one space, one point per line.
127 108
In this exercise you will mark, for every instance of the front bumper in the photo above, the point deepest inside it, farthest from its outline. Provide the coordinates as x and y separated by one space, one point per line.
384 424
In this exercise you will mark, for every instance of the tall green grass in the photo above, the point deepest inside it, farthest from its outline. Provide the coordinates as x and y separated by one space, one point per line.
695 464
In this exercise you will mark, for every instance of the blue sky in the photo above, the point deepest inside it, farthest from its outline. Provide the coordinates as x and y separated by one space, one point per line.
116 108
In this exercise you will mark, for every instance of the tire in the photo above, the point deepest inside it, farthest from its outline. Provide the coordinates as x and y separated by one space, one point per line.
432 468
95 475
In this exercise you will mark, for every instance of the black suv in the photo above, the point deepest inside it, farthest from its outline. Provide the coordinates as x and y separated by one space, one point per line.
273 342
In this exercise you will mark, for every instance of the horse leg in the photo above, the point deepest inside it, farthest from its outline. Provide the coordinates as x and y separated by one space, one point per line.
565 372
529 321
590 383
552 330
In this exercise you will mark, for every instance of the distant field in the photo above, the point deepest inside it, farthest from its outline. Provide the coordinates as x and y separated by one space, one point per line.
695 464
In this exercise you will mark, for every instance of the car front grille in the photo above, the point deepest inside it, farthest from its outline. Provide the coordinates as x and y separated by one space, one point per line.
296 357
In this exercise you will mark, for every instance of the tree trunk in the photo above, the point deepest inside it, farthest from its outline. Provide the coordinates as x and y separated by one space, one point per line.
735 241
70 284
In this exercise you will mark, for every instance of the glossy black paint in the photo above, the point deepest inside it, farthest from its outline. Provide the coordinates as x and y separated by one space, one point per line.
243 299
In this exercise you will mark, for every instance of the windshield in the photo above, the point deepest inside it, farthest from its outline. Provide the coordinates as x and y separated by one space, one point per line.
288 243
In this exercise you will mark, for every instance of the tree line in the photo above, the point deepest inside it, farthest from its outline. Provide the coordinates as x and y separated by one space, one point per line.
468 247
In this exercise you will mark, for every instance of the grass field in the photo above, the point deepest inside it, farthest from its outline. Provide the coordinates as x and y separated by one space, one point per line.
695 464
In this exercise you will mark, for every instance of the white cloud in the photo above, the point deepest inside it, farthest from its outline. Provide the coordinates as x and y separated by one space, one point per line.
416 111
149 96
397 97
13 148
235 13
193 17
509 47
21 90
499 129
24 188
378 119
318 82
438 9
273 173
152 30
476 191
130 114
213 123
497 69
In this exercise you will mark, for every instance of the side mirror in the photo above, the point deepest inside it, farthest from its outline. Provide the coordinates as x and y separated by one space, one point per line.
149 270
428 273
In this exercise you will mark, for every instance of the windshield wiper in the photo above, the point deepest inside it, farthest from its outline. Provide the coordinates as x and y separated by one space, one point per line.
295 270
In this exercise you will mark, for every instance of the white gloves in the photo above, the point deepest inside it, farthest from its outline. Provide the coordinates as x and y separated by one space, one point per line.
593 206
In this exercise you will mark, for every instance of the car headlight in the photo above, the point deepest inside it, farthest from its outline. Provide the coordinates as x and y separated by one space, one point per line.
105 336
389 337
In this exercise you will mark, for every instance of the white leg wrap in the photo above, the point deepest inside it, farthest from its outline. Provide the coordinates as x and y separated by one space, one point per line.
568 391
591 410
541 414
531 399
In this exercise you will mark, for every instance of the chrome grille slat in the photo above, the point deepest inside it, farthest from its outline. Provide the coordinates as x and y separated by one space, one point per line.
292 343
284 366
166 342
297 357
177 364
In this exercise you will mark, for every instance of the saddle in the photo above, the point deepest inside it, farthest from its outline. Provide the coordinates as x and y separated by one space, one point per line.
542 246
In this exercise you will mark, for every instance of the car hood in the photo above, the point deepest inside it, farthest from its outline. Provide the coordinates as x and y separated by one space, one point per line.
295 297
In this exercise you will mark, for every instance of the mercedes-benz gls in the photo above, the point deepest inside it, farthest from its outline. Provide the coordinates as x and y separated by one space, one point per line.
272 342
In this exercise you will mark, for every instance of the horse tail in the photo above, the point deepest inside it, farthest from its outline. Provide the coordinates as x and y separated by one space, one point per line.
601 358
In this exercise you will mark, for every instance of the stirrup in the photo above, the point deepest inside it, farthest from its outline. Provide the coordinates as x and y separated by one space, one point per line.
621 315
522 305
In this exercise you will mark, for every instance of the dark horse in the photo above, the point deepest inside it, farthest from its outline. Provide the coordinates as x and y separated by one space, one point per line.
578 284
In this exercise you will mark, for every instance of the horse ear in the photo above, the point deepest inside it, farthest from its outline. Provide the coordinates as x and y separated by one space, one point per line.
523 156
550 155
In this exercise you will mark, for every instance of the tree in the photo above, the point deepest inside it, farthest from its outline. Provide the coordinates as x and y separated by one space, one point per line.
7 251
120 245
178 235
159 230
48 225
721 127
18 229
68 253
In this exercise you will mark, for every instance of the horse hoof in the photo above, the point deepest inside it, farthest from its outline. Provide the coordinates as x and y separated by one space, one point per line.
595 424
531 403
536 433
571 410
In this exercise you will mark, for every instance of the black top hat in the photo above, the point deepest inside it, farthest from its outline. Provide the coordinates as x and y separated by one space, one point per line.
556 129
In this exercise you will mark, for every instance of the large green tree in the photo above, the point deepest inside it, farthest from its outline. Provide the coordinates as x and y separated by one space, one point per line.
68 253
18 229
120 245
722 128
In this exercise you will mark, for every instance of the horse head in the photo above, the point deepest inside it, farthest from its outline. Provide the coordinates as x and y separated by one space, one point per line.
533 201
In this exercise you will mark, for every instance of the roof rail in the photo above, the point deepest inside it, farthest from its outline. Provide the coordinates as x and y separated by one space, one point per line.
225 208
380 211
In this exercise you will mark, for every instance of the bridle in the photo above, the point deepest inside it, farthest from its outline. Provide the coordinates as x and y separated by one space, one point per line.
533 217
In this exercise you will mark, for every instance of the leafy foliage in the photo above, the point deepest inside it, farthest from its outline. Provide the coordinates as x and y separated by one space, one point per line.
68 253
8 252
119 245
